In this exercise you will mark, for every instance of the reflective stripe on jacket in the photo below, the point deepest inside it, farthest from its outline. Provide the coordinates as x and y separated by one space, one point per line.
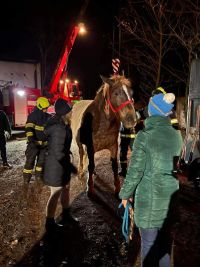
34 127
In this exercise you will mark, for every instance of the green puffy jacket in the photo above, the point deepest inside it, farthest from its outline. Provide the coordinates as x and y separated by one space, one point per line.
150 171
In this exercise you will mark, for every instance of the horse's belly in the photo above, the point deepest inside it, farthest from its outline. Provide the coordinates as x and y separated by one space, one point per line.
104 141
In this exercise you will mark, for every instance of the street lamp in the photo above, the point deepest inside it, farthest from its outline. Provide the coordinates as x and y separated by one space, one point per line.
82 29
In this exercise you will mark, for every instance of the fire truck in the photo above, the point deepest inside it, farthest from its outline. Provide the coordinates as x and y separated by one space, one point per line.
20 86
19 98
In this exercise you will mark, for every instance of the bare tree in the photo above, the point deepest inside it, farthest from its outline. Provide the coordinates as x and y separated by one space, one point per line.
49 36
185 27
152 40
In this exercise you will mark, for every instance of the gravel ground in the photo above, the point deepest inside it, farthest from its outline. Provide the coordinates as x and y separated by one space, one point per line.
97 240
22 234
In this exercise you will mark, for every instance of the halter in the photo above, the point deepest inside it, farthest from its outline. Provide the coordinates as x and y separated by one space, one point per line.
129 101
115 110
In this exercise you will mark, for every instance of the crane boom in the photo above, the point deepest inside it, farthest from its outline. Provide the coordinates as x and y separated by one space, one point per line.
69 42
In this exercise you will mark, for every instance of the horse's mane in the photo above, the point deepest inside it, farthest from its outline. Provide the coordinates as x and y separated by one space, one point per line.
116 79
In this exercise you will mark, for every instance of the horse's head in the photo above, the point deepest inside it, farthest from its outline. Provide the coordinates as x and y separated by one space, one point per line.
118 95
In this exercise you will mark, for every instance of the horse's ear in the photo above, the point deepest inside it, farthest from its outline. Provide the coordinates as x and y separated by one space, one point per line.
107 80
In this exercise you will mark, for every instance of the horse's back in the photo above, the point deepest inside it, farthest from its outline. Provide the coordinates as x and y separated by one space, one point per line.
78 112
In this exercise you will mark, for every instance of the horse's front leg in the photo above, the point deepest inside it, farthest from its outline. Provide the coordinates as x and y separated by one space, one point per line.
114 161
116 177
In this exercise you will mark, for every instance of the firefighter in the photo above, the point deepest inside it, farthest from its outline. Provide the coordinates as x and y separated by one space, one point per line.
127 137
158 90
36 140
5 133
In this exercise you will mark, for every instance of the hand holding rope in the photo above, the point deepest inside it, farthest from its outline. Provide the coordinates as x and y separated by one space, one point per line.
127 224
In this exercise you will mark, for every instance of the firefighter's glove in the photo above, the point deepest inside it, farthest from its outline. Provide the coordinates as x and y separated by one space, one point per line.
7 135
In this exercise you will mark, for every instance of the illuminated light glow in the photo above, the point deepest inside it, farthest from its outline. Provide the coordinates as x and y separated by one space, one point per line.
21 93
82 29
61 82
76 81
67 80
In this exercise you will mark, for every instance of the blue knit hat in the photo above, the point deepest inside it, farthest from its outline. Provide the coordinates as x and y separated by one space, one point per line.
161 104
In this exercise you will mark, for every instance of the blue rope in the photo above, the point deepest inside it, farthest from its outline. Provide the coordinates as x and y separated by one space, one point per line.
126 221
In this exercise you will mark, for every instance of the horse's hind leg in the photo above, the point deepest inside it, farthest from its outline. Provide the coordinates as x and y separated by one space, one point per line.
91 167
116 177
81 155
86 138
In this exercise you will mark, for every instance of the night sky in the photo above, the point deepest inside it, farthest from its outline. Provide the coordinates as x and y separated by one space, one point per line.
91 54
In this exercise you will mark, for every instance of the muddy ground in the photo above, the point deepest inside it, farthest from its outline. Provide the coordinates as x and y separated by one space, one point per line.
97 240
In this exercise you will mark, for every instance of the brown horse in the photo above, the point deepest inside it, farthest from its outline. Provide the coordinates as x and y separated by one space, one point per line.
95 123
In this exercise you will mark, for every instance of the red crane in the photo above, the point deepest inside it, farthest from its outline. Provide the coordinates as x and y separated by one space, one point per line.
60 86
64 88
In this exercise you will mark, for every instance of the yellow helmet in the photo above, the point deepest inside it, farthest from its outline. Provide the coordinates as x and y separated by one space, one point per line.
42 103
158 90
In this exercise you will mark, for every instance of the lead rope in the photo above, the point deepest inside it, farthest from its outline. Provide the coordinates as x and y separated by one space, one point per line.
127 223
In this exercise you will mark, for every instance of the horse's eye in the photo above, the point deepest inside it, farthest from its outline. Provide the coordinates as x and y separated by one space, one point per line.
116 94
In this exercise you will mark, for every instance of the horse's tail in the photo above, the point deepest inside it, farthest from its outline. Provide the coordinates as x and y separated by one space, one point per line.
78 114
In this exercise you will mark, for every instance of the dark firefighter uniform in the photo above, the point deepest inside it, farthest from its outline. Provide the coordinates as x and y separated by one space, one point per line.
4 128
36 145
174 120
127 137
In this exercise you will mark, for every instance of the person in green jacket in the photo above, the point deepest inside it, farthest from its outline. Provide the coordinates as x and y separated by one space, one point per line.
150 179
